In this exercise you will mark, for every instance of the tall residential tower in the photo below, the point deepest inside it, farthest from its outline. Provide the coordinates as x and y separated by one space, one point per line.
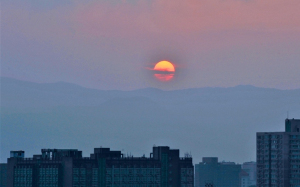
278 156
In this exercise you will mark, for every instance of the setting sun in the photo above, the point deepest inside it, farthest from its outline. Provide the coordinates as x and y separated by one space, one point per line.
164 70
164 66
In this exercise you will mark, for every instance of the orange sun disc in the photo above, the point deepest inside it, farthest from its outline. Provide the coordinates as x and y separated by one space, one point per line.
164 70
164 66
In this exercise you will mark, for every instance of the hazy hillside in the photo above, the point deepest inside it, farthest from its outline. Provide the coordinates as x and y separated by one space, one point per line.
206 121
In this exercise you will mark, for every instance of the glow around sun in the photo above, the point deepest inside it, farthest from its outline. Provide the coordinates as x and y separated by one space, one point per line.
164 70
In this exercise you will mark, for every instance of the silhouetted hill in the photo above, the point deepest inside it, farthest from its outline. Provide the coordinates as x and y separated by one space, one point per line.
207 121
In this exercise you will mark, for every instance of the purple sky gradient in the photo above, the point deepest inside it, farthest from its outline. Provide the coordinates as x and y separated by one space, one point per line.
110 44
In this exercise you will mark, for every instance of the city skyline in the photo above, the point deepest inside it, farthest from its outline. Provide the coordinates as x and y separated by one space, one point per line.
277 163
67 167
203 76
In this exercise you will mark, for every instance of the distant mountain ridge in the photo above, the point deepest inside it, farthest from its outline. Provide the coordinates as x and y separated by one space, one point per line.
18 93
207 121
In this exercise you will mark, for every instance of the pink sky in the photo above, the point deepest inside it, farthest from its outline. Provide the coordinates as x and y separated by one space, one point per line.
109 44
186 17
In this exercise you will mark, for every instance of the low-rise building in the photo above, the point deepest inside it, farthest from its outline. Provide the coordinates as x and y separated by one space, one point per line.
210 172
248 174
67 167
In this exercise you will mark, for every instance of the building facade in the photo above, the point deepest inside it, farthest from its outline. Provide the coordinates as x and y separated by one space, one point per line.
3 174
278 156
248 174
59 167
210 172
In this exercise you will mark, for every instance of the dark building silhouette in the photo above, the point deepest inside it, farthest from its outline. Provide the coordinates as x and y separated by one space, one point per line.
67 167
278 156
210 172
3 174
209 184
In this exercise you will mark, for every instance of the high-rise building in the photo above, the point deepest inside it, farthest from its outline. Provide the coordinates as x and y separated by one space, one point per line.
278 156
210 172
67 167
3 174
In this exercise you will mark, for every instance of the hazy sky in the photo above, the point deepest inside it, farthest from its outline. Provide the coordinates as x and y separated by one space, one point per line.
111 44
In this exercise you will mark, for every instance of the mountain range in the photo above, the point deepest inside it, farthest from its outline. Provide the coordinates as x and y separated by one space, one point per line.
219 122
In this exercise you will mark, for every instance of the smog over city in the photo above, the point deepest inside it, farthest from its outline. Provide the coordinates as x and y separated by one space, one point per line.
202 92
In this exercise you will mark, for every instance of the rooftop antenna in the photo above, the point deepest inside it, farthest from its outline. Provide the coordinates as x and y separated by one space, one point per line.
287 115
